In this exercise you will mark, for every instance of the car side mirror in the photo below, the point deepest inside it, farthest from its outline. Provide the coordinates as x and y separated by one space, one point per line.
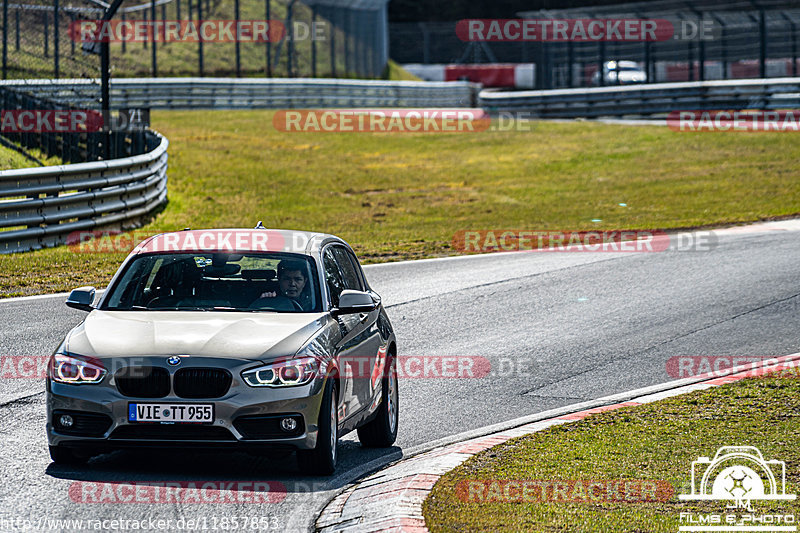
351 302
81 298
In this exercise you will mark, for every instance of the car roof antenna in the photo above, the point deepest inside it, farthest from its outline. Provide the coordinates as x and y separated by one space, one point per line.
260 225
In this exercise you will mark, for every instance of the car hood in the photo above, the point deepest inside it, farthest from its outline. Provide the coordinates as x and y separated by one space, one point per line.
255 336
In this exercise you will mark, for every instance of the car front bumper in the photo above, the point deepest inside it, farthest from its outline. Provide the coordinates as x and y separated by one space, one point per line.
101 423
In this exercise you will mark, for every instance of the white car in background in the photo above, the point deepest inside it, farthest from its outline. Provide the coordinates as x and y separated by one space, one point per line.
620 73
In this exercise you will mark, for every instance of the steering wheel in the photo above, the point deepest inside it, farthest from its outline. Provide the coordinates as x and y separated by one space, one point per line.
277 303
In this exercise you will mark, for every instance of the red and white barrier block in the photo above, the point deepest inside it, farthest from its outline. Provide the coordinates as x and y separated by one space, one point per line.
518 75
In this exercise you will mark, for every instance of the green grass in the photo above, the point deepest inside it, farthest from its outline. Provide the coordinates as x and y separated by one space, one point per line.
404 196
11 159
655 441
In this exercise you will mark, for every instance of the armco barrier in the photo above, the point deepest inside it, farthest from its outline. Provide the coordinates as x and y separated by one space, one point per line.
40 207
253 93
647 100
226 93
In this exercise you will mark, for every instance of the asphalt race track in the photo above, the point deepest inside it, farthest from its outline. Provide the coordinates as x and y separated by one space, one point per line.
557 328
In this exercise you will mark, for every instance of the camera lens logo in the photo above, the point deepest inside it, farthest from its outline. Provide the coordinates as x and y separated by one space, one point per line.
738 473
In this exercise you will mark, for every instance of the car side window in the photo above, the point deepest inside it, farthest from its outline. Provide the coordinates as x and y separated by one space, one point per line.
358 268
349 275
333 277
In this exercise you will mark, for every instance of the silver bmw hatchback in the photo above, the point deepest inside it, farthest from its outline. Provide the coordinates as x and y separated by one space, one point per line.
260 340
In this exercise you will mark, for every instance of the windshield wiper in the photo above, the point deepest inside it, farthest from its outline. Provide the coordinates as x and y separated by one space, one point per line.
175 308
237 309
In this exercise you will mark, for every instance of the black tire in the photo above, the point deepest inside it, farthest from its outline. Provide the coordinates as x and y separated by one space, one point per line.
381 431
66 456
321 461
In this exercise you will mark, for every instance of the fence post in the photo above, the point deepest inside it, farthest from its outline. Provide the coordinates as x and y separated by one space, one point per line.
362 32
46 35
313 41
72 41
570 60
105 94
200 38
269 41
5 39
238 51
602 45
332 37
144 19
16 33
124 44
155 38
55 36
762 54
178 9
724 53
701 51
794 50
426 43
794 41
290 39
356 42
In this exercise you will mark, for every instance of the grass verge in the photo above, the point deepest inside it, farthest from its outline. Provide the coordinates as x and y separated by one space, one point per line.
403 196
11 159
657 441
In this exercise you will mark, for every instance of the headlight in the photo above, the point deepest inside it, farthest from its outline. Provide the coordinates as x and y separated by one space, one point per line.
301 369
68 369
282 374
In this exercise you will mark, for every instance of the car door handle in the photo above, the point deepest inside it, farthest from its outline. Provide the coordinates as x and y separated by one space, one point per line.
362 317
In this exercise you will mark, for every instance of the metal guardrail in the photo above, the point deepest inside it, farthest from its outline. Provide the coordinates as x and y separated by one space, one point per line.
276 93
648 100
40 207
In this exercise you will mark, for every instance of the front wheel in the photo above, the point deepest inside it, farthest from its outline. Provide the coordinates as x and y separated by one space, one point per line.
321 461
381 431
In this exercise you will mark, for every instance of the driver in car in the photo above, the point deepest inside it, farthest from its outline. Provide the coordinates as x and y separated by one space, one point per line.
291 282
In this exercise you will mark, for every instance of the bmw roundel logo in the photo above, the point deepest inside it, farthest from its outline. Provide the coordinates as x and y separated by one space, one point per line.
175 360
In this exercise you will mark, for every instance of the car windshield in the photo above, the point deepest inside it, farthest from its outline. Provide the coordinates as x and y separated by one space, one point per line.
271 282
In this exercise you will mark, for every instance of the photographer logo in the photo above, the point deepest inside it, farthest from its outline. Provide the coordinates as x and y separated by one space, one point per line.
738 475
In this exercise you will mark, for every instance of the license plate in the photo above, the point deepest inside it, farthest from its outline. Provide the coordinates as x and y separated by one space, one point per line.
171 412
